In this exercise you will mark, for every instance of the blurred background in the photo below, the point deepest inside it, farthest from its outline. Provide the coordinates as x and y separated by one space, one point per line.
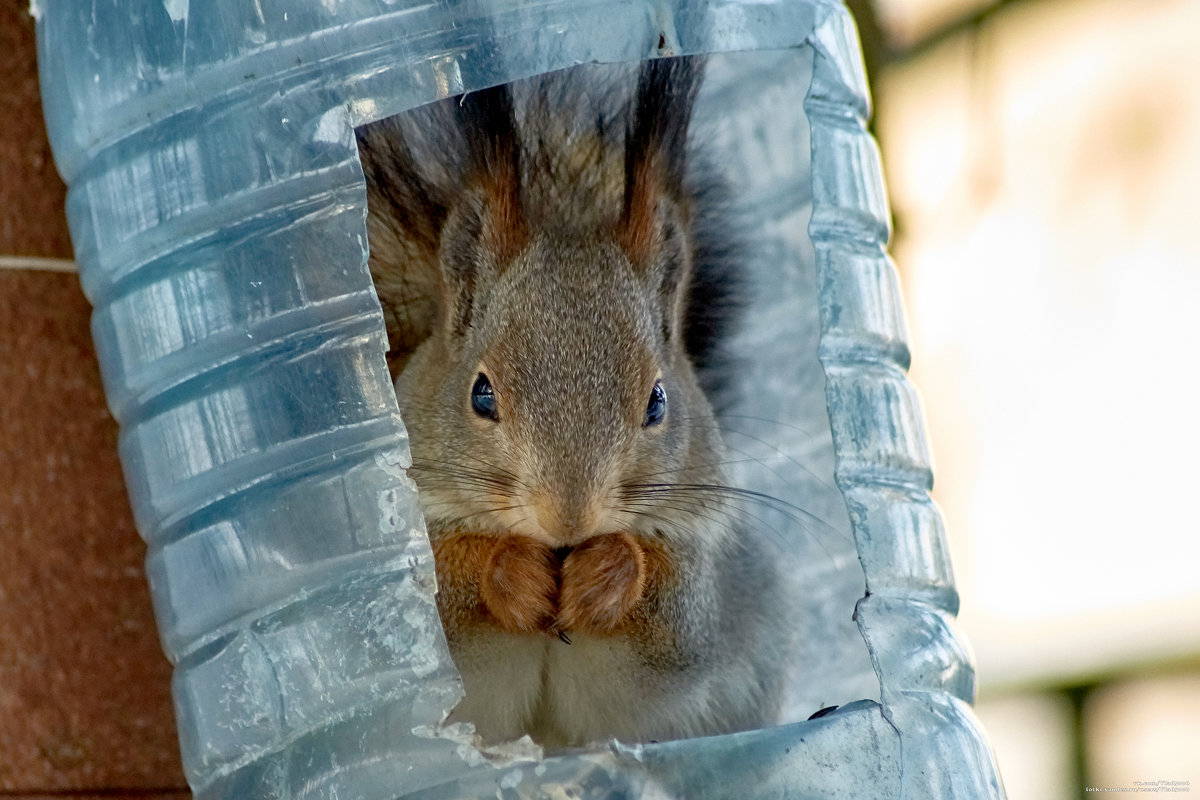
1043 163
1043 159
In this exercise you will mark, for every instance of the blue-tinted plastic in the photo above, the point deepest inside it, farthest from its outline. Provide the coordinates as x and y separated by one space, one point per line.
217 209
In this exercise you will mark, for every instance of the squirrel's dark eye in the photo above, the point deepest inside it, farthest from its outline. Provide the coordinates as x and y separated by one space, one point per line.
656 409
483 399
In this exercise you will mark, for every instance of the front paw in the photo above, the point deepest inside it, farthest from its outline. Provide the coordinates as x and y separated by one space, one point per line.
602 580
519 584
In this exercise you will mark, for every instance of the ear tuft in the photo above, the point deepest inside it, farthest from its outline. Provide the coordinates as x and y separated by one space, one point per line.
656 149
485 228
489 124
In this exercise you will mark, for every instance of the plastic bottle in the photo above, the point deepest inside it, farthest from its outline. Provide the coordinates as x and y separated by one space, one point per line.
217 210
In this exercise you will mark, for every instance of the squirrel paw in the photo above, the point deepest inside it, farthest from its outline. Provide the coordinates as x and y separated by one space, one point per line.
602 580
519 584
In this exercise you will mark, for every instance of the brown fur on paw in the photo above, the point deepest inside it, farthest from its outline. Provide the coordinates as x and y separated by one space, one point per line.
459 560
602 580
519 584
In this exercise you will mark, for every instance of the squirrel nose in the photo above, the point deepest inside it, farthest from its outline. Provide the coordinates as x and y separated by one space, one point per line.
568 521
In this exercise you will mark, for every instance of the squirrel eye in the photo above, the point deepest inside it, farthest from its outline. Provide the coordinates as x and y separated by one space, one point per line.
656 409
483 399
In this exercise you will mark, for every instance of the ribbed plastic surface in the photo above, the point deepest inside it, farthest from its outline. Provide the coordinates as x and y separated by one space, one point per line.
217 209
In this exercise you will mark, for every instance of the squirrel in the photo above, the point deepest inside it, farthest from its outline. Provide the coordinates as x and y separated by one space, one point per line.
554 264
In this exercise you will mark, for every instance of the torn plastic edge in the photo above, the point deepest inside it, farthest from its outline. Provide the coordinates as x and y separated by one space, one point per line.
895 702
524 751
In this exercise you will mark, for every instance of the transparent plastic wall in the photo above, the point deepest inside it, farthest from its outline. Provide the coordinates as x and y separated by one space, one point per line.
217 209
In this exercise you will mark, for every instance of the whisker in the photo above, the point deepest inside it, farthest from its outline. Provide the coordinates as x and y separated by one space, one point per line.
443 473
451 481
674 523
512 507
731 517
725 429
496 470
767 421
665 521
733 491
464 475
805 519
708 465
683 508
432 464
456 521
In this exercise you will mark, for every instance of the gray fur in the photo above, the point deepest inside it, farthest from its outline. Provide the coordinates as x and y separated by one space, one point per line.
572 334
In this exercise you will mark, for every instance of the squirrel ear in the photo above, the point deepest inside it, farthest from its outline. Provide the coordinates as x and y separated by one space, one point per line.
669 270
461 258
653 226
494 152
656 148
486 228
405 214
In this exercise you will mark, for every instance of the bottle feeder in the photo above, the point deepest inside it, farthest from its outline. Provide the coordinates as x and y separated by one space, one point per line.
217 208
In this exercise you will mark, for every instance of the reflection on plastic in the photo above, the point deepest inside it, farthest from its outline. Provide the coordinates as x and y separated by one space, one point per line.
216 205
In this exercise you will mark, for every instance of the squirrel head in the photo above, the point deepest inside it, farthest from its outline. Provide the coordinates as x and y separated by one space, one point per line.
556 385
